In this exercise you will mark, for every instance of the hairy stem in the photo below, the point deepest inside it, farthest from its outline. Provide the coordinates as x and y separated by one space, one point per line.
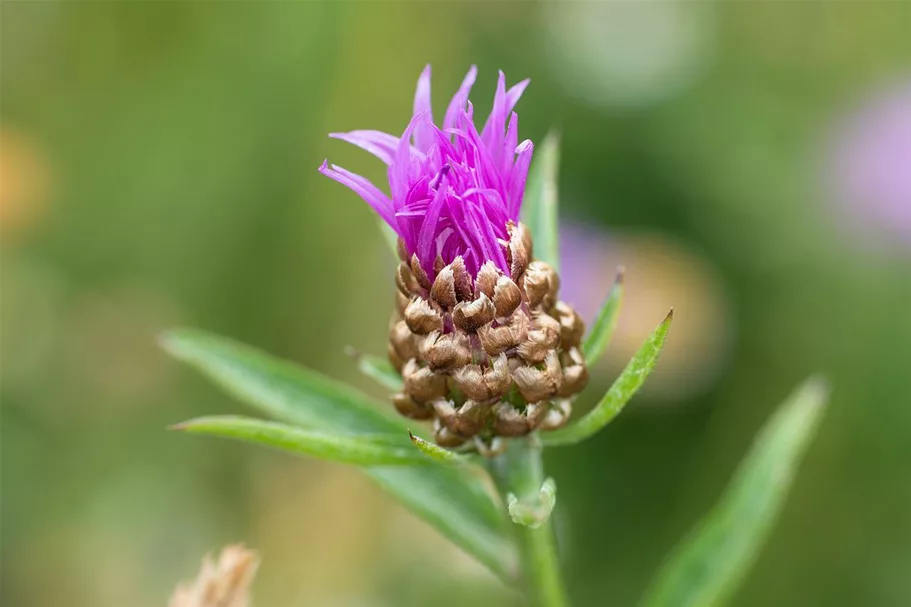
519 472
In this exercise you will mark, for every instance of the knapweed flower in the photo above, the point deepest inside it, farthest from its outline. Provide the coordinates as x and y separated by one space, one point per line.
870 167
484 346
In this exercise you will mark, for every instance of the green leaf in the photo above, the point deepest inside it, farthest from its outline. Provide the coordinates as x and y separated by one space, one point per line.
708 566
378 369
437 453
356 449
620 392
601 332
381 370
458 502
539 206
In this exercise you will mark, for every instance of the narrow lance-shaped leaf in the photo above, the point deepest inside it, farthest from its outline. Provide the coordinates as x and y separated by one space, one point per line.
618 395
455 501
601 331
539 205
356 449
706 569
437 453
378 369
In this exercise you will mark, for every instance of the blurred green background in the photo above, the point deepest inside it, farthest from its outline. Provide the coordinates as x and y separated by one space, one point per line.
158 168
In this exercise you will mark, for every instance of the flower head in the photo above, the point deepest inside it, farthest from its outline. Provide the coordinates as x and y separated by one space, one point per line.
869 165
484 346
454 191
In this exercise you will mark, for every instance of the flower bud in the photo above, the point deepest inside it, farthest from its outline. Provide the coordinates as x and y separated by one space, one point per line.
479 334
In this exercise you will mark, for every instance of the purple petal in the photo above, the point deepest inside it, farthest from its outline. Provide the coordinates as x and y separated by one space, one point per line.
429 230
371 194
492 134
513 94
519 177
423 138
490 247
382 145
457 105
509 146
401 165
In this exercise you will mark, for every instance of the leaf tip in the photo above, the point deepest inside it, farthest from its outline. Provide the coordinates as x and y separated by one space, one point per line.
816 389
621 275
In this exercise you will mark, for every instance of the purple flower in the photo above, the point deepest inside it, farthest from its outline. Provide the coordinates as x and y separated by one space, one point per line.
453 191
871 168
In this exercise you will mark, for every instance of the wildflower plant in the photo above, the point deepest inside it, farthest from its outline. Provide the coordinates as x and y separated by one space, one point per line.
481 347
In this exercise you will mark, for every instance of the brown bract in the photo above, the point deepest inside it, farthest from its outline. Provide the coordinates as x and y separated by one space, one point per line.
487 355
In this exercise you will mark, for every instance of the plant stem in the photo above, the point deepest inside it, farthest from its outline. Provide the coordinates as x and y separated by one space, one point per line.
519 471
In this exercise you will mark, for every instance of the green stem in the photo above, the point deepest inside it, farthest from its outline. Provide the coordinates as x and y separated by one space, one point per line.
519 471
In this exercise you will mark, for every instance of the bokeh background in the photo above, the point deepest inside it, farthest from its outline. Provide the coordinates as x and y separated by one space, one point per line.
749 164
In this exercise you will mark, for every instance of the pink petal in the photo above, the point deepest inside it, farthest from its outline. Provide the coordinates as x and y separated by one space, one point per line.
492 134
422 135
401 165
513 94
382 145
519 177
371 194
457 105
509 146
